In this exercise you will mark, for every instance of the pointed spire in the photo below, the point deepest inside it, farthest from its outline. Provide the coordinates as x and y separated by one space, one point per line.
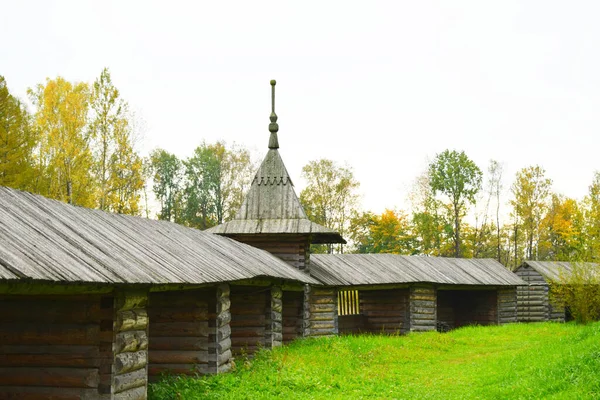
273 127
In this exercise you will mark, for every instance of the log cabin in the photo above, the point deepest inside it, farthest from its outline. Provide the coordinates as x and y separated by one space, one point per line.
535 303
93 304
395 294
367 293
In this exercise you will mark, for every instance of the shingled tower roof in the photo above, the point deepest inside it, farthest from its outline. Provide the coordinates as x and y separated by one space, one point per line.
271 205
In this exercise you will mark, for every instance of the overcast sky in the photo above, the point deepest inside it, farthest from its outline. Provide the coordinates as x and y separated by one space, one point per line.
381 86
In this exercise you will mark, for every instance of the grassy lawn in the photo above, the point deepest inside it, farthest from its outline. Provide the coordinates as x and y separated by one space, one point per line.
517 361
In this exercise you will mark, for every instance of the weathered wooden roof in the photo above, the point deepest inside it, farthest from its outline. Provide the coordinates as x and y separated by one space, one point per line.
47 240
551 270
271 205
378 269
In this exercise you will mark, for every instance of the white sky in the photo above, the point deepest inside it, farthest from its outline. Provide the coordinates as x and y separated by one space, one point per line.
381 86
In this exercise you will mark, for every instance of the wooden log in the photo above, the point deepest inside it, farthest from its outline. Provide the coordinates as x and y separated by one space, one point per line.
323 300
223 318
131 341
126 362
130 320
44 333
179 343
322 308
132 394
221 346
44 349
130 380
177 369
49 360
178 357
255 320
46 393
173 329
131 300
53 312
422 310
170 314
248 332
49 376
223 332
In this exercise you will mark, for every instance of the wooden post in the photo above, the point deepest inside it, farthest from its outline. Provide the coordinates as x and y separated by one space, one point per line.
130 346
507 305
274 318
219 350
423 308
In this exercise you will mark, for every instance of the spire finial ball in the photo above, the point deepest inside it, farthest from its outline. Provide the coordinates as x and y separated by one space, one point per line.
273 82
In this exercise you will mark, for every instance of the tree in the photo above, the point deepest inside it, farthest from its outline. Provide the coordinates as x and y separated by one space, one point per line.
64 159
531 191
592 220
117 167
216 179
330 195
579 290
561 231
17 141
453 174
386 233
166 173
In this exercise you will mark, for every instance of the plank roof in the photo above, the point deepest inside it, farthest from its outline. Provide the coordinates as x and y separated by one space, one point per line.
551 270
43 239
271 206
378 269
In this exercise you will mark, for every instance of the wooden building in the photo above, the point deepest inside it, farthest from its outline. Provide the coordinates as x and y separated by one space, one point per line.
92 303
272 218
534 300
388 293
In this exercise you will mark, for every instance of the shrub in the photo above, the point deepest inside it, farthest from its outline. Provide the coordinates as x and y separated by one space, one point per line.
579 291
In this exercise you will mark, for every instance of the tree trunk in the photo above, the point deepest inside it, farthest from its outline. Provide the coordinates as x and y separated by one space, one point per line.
456 232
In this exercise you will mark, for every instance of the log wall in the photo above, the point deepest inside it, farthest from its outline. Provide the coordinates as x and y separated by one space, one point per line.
320 311
248 318
456 308
385 311
532 300
55 346
507 305
130 366
179 331
293 249
292 315
423 308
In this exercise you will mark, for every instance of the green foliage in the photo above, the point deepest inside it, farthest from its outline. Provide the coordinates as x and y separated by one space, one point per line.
167 174
329 197
389 232
524 361
117 167
531 191
17 142
65 159
579 291
454 175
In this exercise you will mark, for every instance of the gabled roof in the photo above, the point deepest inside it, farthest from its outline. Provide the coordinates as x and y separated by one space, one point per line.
551 270
43 239
378 269
271 205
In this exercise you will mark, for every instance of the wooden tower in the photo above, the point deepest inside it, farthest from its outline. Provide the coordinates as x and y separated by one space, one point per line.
271 216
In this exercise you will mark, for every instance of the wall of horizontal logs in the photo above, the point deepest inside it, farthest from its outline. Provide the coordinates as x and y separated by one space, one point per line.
179 331
73 346
320 311
248 318
380 312
292 315
422 308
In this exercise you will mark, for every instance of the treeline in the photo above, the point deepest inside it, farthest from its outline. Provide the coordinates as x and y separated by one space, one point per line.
78 145
541 224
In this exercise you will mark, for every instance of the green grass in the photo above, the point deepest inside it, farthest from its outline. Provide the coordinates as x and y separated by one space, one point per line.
516 361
